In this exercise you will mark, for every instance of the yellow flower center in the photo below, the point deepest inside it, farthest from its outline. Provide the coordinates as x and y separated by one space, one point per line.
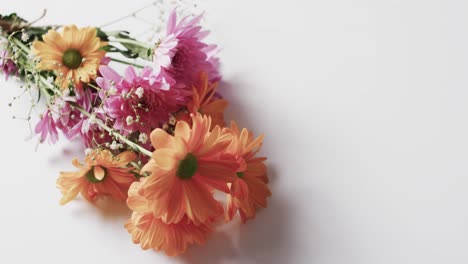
187 167
72 58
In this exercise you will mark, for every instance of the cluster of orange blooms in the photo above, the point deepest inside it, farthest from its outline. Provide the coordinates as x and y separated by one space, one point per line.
173 202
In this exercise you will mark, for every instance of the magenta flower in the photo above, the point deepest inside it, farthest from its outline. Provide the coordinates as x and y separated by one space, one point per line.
137 103
7 66
47 128
62 116
83 126
182 55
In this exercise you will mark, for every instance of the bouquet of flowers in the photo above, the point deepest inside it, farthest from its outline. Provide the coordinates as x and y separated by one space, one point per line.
155 134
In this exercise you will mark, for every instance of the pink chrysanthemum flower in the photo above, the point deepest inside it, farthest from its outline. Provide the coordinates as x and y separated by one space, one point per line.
82 125
182 55
47 128
137 103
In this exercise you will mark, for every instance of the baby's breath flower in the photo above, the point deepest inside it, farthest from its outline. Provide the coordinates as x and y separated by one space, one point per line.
88 151
50 80
129 120
139 92
24 37
143 138
113 90
115 145
92 119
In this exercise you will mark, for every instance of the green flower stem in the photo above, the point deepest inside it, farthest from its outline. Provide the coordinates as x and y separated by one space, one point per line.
130 41
39 79
94 86
19 43
128 63
134 164
44 81
42 88
115 134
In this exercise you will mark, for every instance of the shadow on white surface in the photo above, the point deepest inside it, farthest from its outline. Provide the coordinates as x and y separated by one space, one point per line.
265 239
219 247
236 109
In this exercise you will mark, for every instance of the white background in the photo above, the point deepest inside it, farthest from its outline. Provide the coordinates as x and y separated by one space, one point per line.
365 109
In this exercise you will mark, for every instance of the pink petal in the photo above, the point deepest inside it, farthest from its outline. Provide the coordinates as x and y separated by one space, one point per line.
109 73
171 22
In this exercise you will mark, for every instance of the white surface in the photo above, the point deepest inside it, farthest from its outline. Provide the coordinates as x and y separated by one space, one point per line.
364 107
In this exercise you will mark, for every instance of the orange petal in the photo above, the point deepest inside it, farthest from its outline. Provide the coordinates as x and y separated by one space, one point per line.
239 189
231 209
216 107
117 192
173 239
70 184
135 201
161 139
222 170
259 191
200 127
69 195
124 158
69 32
54 39
214 144
165 158
182 130
77 163
255 145
158 183
200 203
99 173
46 52
176 205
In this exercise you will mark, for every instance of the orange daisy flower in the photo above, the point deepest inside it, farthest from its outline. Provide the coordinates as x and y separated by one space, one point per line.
101 174
152 232
249 190
184 170
74 55
203 102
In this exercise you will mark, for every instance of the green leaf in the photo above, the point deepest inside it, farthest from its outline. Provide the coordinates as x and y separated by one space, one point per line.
102 35
13 17
131 50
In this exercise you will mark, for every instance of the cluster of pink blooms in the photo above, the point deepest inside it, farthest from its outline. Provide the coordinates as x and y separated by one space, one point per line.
62 115
141 100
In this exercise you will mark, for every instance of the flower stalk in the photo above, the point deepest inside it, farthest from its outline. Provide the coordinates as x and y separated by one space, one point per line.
128 63
130 41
